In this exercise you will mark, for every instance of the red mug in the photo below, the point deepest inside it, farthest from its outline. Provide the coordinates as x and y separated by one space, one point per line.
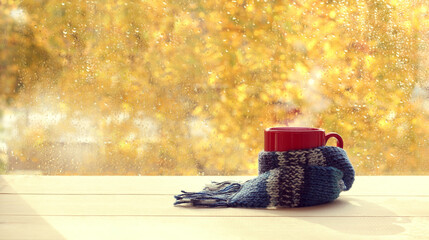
280 139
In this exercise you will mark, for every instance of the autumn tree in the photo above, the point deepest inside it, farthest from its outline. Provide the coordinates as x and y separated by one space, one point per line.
187 87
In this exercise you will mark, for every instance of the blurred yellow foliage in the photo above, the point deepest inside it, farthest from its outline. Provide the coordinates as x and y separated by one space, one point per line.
187 87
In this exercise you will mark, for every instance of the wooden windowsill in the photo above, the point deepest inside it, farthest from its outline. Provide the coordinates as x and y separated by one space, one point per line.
122 207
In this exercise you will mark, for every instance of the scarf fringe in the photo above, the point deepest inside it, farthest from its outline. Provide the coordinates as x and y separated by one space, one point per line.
216 194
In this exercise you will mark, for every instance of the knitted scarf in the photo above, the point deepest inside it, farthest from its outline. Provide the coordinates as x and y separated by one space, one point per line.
286 179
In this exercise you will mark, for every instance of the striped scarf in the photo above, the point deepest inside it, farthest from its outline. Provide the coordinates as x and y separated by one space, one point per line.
286 179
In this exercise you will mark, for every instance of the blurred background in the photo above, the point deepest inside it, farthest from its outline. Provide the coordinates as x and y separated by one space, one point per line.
187 87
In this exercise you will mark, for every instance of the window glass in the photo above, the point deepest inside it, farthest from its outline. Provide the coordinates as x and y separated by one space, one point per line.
187 87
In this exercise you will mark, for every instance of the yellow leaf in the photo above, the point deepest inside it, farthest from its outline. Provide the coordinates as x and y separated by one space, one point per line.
124 146
264 97
127 107
301 68
197 110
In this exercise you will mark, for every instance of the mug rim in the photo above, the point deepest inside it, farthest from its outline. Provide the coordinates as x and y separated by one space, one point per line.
293 129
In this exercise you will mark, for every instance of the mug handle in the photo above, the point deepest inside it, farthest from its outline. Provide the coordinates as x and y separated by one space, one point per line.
340 142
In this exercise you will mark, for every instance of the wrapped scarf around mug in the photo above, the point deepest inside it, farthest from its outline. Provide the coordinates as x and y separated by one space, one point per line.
286 179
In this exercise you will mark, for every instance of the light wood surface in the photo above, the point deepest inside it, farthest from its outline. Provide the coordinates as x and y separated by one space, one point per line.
82 207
